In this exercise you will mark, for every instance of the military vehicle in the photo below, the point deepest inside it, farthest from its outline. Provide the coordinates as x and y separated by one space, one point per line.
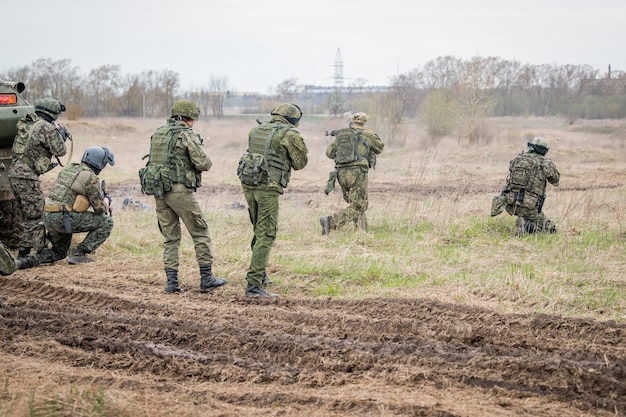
12 108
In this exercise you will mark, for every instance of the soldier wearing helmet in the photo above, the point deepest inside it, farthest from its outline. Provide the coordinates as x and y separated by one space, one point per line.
525 190
76 204
39 139
354 151
177 151
275 148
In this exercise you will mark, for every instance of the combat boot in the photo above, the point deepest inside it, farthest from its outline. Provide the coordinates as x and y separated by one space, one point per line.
325 222
172 282
23 263
254 291
79 256
207 281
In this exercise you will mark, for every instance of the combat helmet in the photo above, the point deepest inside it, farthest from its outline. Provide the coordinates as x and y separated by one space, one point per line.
359 118
290 112
538 145
97 158
186 108
50 106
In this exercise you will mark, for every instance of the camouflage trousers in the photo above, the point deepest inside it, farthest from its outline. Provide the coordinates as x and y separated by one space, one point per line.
538 222
97 227
263 210
353 182
30 200
180 204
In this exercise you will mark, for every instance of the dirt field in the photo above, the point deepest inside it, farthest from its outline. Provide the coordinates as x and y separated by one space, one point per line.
67 329
198 354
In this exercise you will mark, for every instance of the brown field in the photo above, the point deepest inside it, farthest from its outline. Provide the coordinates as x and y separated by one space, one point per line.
102 339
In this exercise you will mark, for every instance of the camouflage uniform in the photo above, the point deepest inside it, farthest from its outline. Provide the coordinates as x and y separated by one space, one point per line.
262 199
74 180
527 202
353 176
32 157
180 203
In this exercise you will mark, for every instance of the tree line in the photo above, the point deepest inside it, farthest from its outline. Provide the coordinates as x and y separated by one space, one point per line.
446 93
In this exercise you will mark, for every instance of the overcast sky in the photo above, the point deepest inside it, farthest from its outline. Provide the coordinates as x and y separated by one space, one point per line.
258 44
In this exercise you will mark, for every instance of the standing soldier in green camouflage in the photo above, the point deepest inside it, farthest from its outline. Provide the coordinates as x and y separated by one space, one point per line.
354 151
525 190
178 149
38 140
66 211
274 149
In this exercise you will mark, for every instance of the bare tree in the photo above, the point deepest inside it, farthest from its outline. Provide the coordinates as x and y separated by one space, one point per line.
102 87
219 87
288 89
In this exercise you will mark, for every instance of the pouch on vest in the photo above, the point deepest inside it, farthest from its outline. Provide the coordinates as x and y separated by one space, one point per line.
81 204
253 169
155 180
531 200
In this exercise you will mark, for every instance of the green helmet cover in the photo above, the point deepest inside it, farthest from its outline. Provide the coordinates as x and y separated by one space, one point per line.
291 112
186 108
50 106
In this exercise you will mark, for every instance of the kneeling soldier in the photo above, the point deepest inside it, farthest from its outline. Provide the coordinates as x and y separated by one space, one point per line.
75 190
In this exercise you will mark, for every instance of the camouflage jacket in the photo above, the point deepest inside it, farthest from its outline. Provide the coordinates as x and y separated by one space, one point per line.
33 152
295 149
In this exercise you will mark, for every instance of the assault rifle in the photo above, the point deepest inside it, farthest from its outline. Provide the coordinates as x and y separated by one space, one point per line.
107 196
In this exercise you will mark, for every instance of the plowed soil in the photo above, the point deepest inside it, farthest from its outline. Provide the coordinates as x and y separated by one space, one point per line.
199 354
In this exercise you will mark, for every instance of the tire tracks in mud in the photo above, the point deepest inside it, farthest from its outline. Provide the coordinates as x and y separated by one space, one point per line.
323 344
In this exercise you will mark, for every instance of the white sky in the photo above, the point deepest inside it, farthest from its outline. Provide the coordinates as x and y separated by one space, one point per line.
258 44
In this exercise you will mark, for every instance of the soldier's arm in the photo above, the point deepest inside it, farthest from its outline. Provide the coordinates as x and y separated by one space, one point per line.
296 148
376 144
199 159
553 176
94 195
53 140
331 151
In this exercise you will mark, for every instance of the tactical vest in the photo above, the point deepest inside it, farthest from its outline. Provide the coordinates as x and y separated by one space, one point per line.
179 165
265 141
23 140
347 141
525 174
62 188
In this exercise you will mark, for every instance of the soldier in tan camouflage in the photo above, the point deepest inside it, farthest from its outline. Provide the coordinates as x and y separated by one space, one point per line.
66 211
351 167
525 190
38 140
178 148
